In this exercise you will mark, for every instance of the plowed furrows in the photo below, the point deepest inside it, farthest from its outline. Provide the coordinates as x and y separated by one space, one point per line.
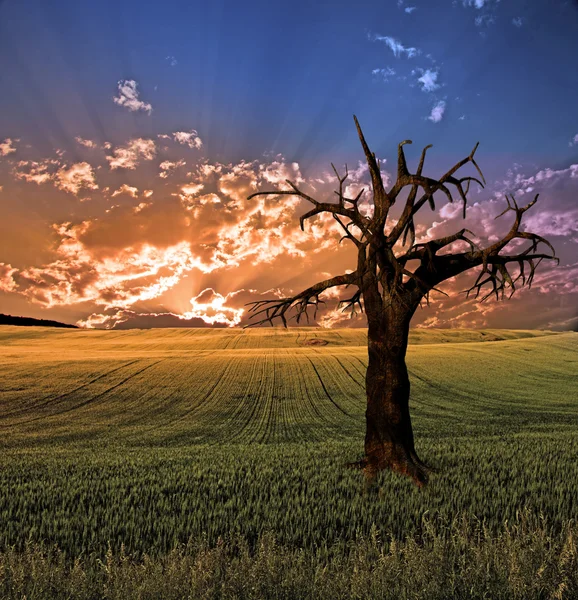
55 400
327 394
308 391
264 407
295 404
250 427
284 394
94 399
339 384
222 398
25 390
182 374
362 368
204 401
275 427
357 380
229 403
142 400
242 418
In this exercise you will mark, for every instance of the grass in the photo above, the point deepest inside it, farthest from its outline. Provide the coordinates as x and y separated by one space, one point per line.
206 453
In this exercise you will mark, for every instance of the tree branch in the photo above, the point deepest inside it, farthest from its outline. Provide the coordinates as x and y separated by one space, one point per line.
277 309
405 223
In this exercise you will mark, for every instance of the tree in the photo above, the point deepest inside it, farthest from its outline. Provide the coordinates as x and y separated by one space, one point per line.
389 289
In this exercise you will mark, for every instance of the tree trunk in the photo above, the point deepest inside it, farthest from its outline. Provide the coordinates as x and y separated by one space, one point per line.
389 440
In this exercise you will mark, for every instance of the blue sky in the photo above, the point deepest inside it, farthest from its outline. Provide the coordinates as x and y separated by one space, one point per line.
256 80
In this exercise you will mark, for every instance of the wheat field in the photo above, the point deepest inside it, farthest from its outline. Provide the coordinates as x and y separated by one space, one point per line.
144 442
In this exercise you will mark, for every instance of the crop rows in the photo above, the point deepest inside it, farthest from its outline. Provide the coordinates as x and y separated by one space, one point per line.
153 441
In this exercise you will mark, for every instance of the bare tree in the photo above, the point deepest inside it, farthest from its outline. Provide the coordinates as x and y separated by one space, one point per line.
389 290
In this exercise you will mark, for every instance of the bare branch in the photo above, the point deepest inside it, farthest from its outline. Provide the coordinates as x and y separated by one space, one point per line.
430 186
277 309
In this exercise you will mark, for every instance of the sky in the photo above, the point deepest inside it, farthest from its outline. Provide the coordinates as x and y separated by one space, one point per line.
131 134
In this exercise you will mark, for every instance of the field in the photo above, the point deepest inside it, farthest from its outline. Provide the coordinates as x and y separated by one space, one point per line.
122 447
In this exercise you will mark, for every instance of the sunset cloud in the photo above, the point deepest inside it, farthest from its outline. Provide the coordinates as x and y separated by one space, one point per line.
86 143
167 167
7 146
68 178
188 138
129 156
128 96
75 177
127 190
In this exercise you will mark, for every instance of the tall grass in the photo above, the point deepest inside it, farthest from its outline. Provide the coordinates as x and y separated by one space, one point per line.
457 559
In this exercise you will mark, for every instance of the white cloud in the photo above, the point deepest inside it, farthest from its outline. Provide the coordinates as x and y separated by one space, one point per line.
428 80
410 9
462 118
518 21
547 223
188 138
172 61
573 141
167 167
6 147
128 157
85 143
72 179
385 73
396 46
437 112
125 189
475 3
69 178
128 96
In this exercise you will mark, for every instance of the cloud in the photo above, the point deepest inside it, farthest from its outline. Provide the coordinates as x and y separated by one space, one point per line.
518 184
429 80
128 96
188 138
384 73
172 61
461 118
86 143
75 177
554 223
518 21
125 189
129 156
148 193
69 178
475 3
167 167
573 141
6 147
437 112
410 9
7 283
141 206
484 20
396 46
141 254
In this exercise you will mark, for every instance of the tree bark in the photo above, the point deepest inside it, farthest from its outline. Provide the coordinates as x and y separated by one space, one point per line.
389 442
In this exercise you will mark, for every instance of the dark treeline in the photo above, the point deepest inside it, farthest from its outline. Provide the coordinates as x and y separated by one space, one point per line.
29 321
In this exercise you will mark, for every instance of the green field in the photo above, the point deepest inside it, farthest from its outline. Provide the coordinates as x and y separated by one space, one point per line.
146 441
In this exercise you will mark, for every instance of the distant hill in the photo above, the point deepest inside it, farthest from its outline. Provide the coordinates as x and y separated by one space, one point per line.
28 322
